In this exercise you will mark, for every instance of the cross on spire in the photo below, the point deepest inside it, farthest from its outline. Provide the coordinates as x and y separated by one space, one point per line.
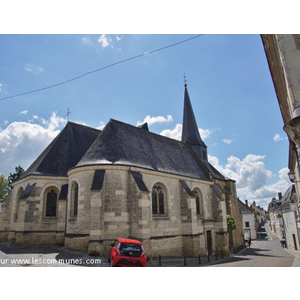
67 115
184 79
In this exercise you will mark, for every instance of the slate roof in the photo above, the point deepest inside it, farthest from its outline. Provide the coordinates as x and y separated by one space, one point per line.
274 204
243 208
289 194
27 191
190 131
124 144
64 151
288 197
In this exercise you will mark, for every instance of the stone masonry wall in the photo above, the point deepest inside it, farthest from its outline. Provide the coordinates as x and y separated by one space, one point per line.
232 207
25 218
120 209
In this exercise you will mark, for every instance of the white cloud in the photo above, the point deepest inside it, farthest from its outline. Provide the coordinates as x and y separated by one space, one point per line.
176 132
118 38
173 134
104 40
101 125
55 121
204 133
227 141
251 178
86 41
24 112
152 120
1 86
251 171
33 68
277 137
22 142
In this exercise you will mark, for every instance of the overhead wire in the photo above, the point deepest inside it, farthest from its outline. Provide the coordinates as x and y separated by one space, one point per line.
100 69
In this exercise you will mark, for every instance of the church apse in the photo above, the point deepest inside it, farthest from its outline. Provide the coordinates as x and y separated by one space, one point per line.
123 181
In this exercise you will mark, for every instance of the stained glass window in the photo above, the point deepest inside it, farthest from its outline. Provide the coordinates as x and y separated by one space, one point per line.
158 200
51 203
75 199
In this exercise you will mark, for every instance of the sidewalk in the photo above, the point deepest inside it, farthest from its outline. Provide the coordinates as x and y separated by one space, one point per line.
296 253
191 261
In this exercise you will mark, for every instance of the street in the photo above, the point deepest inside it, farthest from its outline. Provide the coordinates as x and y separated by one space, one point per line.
266 251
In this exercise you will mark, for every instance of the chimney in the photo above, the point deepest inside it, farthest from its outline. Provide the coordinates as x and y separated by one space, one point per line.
246 202
279 196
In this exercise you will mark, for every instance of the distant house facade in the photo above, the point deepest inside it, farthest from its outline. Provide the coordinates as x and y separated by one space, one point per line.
90 187
249 229
259 214
276 224
283 217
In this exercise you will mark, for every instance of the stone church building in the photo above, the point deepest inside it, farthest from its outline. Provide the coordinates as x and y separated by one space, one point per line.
89 187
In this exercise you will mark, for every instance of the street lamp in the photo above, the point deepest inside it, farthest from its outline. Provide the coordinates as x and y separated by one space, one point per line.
292 175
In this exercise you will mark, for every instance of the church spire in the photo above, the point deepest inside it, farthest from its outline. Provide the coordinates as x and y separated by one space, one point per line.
190 131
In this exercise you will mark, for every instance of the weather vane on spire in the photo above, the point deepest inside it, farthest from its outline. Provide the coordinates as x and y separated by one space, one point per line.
184 79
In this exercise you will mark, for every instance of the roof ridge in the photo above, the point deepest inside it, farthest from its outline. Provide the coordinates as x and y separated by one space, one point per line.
125 144
82 125
150 132
244 205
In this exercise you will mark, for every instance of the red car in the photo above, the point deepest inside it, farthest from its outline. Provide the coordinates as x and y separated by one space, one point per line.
127 253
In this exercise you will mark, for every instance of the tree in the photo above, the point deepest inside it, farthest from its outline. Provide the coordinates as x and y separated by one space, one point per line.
4 188
15 176
230 223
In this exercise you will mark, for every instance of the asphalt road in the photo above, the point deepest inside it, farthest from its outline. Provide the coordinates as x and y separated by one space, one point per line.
266 251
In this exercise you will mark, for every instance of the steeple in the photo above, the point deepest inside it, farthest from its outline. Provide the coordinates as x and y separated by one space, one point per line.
190 131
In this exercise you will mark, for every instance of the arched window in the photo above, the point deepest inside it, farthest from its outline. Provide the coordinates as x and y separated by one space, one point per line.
51 202
158 200
74 200
199 205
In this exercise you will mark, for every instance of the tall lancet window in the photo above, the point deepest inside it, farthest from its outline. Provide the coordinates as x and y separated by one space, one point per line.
199 202
74 200
51 202
158 200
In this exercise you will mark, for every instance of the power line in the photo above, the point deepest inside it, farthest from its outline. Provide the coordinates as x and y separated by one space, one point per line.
100 69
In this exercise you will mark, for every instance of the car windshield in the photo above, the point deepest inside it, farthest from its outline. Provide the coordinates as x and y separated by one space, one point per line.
130 247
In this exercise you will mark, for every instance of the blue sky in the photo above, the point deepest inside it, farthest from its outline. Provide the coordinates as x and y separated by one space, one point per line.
228 80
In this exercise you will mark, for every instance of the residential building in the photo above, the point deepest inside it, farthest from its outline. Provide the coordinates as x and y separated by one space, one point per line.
283 56
259 214
249 229
284 216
